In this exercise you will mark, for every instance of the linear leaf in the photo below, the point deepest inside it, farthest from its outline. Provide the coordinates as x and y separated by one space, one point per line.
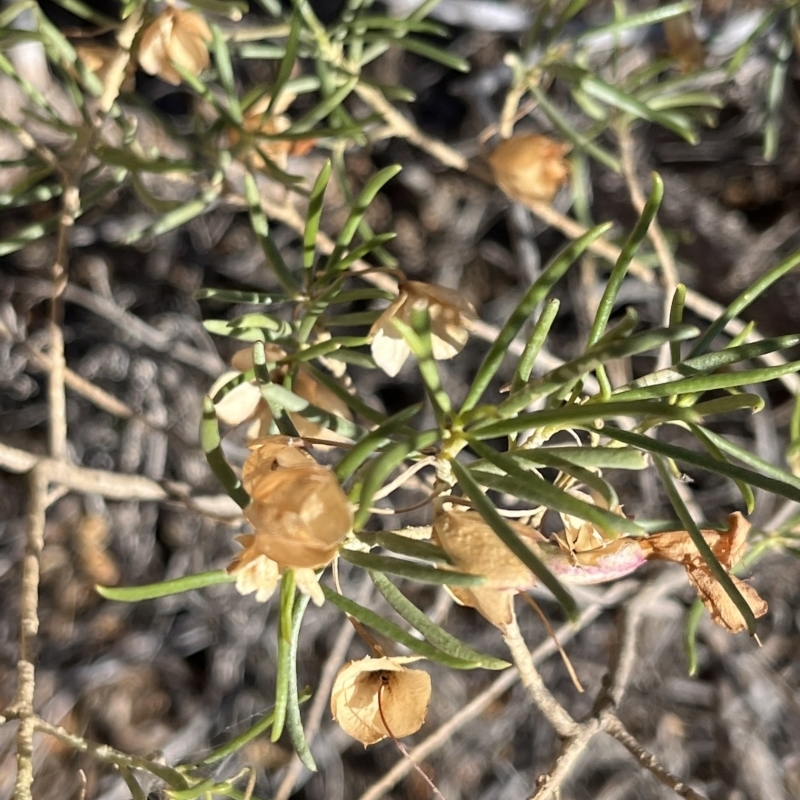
413 571
434 633
395 632
535 295
152 591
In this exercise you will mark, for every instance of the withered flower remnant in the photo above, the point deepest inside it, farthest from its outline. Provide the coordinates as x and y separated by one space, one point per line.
728 546
244 402
450 314
300 517
379 697
530 167
175 36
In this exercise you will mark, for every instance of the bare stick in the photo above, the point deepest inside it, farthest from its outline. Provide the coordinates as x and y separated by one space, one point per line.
116 486
22 706
556 714
612 725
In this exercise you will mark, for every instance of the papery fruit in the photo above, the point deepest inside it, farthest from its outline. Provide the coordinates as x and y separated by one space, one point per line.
530 168
300 517
375 698
175 36
450 314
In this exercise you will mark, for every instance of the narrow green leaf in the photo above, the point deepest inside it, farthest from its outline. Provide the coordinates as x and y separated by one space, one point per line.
535 295
406 546
575 416
152 591
411 570
707 383
258 219
314 213
775 91
212 446
642 19
626 255
748 457
368 194
294 723
284 665
509 537
568 374
297 405
374 440
429 51
700 543
529 486
534 344
434 633
585 456
384 465
748 296
288 61
788 486
715 452
222 58
606 93
352 401
394 632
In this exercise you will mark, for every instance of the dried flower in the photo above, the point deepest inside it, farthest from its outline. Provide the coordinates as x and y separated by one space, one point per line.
450 314
378 697
177 37
244 402
728 546
300 517
99 58
530 168
260 125
475 548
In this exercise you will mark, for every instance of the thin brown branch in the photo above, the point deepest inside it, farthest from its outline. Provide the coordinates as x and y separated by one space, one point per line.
29 627
612 725
548 787
116 486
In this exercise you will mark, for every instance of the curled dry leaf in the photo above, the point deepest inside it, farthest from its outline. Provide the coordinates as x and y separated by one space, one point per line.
728 546
300 517
450 313
244 402
175 36
475 548
378 697
530 168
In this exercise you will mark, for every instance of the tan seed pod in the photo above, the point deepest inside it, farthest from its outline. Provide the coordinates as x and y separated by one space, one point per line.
373 690
175 36
450 314
530 168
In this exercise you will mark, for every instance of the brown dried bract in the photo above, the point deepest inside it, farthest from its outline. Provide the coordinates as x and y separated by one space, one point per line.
375 698
530 168
728 546
475 548
178 37
450 313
